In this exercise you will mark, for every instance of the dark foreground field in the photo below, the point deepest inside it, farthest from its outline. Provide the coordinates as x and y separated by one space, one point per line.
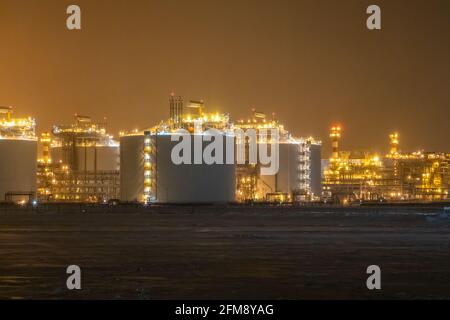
220 252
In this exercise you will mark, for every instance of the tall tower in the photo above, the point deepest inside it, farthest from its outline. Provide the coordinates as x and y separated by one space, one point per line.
46 141
335 136
176 109
394 155
7 111
394 141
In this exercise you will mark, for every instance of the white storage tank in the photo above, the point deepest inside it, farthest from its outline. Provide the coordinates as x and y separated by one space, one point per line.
316 168
184 183
299 170
132 168
287 178
17 170
18 156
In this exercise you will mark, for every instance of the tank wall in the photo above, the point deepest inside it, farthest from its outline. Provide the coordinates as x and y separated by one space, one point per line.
287 173
194 183
107 157
286 179
18 165
316 169
131 168
183 183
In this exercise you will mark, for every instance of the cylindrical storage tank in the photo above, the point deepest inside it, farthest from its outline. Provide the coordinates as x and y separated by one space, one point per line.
91 158
316 169
287 176
193 183
184 183
18 165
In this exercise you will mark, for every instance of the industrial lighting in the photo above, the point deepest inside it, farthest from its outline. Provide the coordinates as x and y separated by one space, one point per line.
148 160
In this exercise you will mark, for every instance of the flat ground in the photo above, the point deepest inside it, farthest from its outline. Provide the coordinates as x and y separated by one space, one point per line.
225 253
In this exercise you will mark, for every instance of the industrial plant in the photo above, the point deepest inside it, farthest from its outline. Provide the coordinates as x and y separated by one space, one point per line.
299 174
149 175
396 176
82 162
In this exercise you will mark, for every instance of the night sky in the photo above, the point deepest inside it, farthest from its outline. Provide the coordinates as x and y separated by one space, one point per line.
314 63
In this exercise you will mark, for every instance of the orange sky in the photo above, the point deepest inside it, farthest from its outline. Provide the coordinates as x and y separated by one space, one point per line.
312 62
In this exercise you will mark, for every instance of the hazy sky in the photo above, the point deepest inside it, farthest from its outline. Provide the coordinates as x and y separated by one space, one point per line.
314 63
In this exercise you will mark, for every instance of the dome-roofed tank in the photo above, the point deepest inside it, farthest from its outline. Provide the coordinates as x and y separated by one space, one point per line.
149 174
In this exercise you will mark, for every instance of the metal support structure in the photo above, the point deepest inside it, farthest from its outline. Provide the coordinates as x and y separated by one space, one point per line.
149 167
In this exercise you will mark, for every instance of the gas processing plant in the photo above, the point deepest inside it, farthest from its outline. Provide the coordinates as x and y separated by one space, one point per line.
357 176
149 175
82 162
299 174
